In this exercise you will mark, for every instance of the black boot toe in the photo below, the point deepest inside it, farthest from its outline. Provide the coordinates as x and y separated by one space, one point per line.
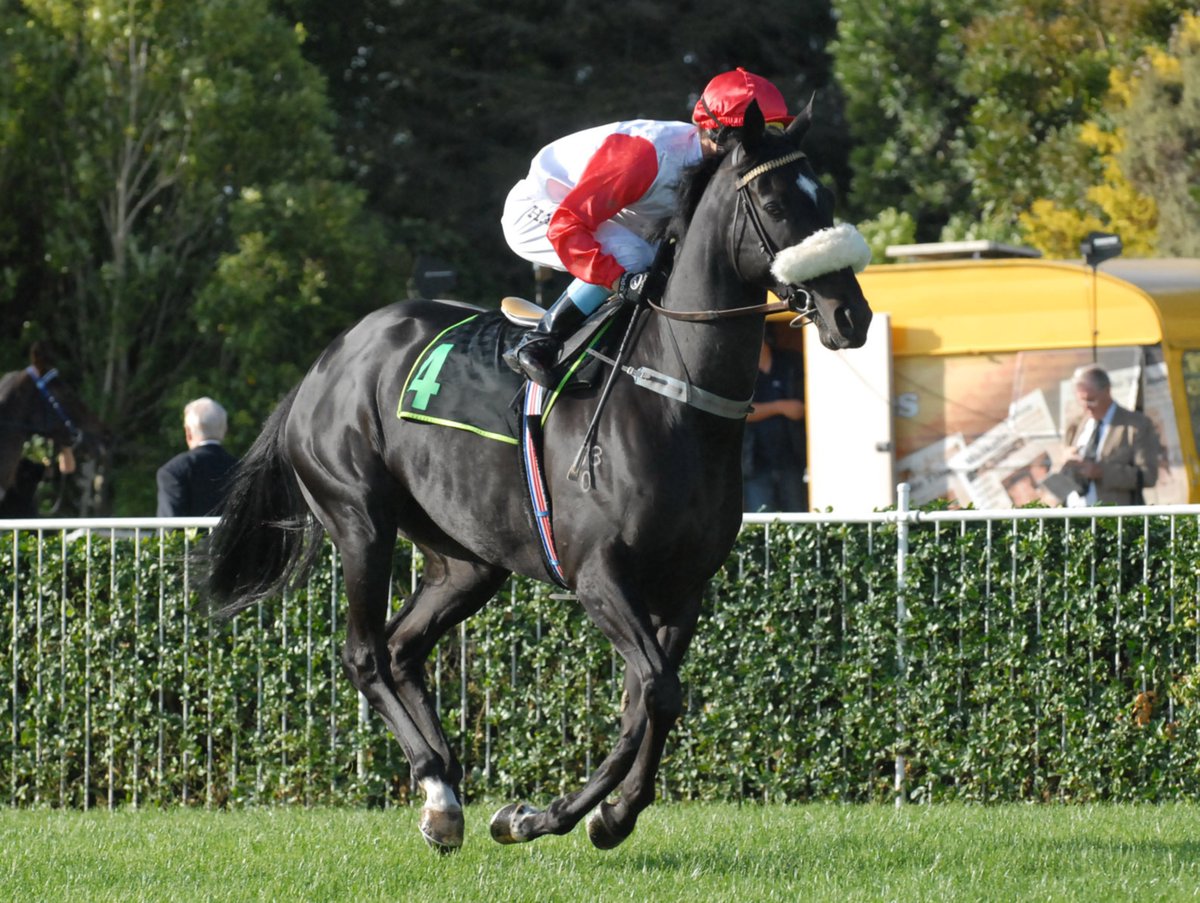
537 357
536 369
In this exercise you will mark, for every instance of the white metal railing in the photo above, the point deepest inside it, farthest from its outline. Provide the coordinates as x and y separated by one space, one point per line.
324 707
904 517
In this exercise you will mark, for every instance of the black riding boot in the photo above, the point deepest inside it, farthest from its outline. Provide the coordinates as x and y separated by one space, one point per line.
536 354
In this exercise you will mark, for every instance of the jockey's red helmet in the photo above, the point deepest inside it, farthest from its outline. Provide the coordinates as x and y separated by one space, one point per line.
726 97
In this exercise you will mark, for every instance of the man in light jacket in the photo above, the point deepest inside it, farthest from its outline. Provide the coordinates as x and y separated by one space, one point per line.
1114 451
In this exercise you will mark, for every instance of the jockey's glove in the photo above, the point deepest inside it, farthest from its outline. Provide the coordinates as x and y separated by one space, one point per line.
630 286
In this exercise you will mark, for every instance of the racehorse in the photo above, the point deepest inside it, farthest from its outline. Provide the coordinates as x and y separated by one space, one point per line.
36 401
637 542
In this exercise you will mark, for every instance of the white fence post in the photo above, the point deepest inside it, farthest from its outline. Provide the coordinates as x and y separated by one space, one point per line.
902 495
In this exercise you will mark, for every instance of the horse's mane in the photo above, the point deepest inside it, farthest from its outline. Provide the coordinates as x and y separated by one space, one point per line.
691 188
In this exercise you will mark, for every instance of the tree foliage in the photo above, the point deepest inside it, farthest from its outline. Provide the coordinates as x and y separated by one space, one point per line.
1162 121
135 129
965 115
899 65
1147 144
1056 229
442 103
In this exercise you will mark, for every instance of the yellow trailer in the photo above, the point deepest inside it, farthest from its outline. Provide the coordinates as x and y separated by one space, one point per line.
965 388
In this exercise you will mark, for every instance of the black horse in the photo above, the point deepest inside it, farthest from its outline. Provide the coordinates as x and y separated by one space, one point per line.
637 542
36 401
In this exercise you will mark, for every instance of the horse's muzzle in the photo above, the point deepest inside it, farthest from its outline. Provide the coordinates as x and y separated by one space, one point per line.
841 312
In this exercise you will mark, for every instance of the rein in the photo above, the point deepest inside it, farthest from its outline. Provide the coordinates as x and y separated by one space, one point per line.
766 244
703 316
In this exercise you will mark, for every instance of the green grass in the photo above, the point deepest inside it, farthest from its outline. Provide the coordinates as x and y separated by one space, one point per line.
693 852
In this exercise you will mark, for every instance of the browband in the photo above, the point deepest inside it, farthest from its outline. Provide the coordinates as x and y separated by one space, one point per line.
768 166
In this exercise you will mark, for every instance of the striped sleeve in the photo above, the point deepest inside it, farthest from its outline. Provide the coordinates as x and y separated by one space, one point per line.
618 174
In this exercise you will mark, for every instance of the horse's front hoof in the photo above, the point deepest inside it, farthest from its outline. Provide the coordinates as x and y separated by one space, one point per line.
602 831
508 825
442 830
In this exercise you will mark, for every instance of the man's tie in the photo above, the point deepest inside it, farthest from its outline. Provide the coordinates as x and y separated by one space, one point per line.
1092 452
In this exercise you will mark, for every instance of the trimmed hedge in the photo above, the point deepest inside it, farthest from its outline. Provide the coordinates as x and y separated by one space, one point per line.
1044 660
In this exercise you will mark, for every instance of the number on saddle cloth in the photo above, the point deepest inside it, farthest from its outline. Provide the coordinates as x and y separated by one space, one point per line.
425 385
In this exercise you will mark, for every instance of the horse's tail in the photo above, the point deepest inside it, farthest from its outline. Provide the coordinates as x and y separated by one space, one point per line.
267 538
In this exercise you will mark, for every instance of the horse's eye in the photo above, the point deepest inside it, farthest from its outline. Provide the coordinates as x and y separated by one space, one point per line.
774 209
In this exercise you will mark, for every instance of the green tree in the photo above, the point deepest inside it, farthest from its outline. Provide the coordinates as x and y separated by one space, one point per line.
307 256
137 126
1110 204
442 103
899 65
1147 143
965 114
1161 121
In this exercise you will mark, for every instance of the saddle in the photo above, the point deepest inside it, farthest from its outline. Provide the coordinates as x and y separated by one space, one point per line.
526 315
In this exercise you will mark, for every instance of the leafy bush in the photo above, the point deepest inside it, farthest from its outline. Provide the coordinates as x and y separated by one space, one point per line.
1042 660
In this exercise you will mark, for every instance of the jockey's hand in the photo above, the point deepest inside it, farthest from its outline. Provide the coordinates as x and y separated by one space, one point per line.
630 286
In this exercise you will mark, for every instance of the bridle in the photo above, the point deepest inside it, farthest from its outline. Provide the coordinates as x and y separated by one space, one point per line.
768 247
42 382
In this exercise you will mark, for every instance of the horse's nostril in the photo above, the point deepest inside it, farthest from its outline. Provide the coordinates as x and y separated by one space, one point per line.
843 320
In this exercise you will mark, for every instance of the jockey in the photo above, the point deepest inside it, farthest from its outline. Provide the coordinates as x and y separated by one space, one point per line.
592 199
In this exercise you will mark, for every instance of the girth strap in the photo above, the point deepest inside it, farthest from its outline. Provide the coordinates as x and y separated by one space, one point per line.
535 477
679 390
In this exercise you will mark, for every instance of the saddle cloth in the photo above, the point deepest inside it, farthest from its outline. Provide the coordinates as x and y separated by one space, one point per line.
460 380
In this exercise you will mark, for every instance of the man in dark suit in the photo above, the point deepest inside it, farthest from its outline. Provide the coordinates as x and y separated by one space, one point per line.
1114 450
193 483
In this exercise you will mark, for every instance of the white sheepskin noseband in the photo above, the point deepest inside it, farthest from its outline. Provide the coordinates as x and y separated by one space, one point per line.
825 251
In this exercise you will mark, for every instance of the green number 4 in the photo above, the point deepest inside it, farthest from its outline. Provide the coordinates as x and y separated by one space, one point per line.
426 384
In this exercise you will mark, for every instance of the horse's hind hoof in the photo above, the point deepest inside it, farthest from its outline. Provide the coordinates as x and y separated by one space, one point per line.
602 831
442 830
508 825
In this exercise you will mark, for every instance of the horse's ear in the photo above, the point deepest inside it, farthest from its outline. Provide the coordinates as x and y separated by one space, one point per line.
753 127
799 127
40 357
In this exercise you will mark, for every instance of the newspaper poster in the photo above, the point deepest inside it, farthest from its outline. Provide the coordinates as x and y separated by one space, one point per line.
928 473
1005 466
988 430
